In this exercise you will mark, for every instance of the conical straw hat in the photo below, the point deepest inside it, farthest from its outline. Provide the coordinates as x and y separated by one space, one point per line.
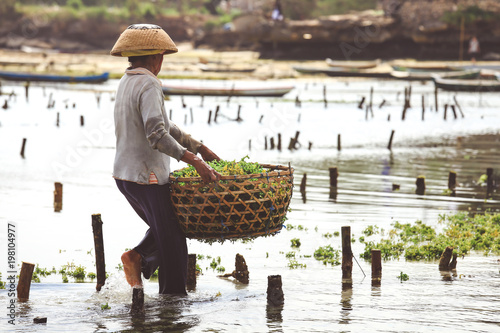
143 39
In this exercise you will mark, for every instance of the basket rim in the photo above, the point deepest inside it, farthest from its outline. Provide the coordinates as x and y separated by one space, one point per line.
283 170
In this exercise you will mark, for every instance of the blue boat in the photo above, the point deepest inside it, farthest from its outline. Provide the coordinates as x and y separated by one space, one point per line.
32 77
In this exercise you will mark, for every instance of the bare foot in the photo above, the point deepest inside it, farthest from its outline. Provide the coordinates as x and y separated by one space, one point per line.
132 266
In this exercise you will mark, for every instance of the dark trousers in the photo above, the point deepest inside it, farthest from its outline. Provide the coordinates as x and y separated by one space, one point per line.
164 244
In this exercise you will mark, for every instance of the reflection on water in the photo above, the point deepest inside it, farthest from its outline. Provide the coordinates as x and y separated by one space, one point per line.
376 186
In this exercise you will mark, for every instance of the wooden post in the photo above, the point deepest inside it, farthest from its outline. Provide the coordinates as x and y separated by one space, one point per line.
298 118
294 141
57 120
279 142
250 144
275 294
371 100
27 88
376 267
444 261
454 111
265 143
436 98
423 107
260 119
489 180
202 99
381 104
191 273
271 143
420 185
182 101
389 146
238 117
452 180
339 146
99 251
360 105
24 283
346 255
58 195
209 116
324 96
23 146
82 121
217 109
445 111
310 145
137 300
191 113
334 173
458 106
303 188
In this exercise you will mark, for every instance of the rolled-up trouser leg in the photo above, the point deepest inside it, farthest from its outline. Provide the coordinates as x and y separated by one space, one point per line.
169 241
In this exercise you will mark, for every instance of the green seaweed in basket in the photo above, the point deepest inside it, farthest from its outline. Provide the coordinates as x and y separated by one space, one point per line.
225 168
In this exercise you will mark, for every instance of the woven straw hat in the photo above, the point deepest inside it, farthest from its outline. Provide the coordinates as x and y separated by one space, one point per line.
143 39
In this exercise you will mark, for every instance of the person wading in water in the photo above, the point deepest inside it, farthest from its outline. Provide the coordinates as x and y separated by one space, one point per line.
145 141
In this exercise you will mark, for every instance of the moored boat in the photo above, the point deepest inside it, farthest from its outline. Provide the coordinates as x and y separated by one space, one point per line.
35 77
342 72
352 64
277 91
428 75
470 85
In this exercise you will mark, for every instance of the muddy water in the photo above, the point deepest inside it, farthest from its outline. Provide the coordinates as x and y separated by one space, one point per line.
81 158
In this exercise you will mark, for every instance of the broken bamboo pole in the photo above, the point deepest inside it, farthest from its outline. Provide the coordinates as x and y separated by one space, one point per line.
99 251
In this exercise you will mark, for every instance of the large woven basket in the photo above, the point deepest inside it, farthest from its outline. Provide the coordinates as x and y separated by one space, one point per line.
243 206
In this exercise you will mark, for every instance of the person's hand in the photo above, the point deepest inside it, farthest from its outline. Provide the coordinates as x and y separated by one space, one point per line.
207 173
207 154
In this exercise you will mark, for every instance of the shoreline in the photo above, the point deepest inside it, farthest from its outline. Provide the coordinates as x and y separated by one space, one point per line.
186 64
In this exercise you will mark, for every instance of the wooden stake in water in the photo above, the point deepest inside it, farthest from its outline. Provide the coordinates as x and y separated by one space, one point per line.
275 294
24 283
452 181
376 267
360 104
423 107
389 146
444 260
445 111
191 273
57 120
137 300
23 146
271 143
191 113
209 116
99 251
420 182
346 255
325 100
436 98
265 143
303 188
458 106
82 121
58 195
339 146
279 141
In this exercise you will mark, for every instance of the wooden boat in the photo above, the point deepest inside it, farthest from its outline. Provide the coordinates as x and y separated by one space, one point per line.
424 68
226 69
471 85
342 72
223 91
424 75
32 77
352 64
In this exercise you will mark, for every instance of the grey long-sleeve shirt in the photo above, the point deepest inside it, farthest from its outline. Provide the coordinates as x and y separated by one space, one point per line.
145 138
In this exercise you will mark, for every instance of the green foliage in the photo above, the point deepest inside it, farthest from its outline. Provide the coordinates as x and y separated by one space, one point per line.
91 276
328 255
294 264
75 4
420 242
224 168
290 254
470 15
371 230
105 306
403 277
295 242
221 269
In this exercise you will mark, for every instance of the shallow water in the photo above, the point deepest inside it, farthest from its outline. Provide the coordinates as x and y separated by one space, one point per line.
81 158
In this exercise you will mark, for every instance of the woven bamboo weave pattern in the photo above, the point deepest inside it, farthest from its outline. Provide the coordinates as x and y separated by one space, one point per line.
235 207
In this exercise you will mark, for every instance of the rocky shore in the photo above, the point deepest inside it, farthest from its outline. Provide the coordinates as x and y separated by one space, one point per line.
418 29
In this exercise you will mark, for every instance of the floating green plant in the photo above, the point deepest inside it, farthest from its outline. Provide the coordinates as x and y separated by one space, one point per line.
403 277
328 255
105 306
419 241
295 242
294 264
